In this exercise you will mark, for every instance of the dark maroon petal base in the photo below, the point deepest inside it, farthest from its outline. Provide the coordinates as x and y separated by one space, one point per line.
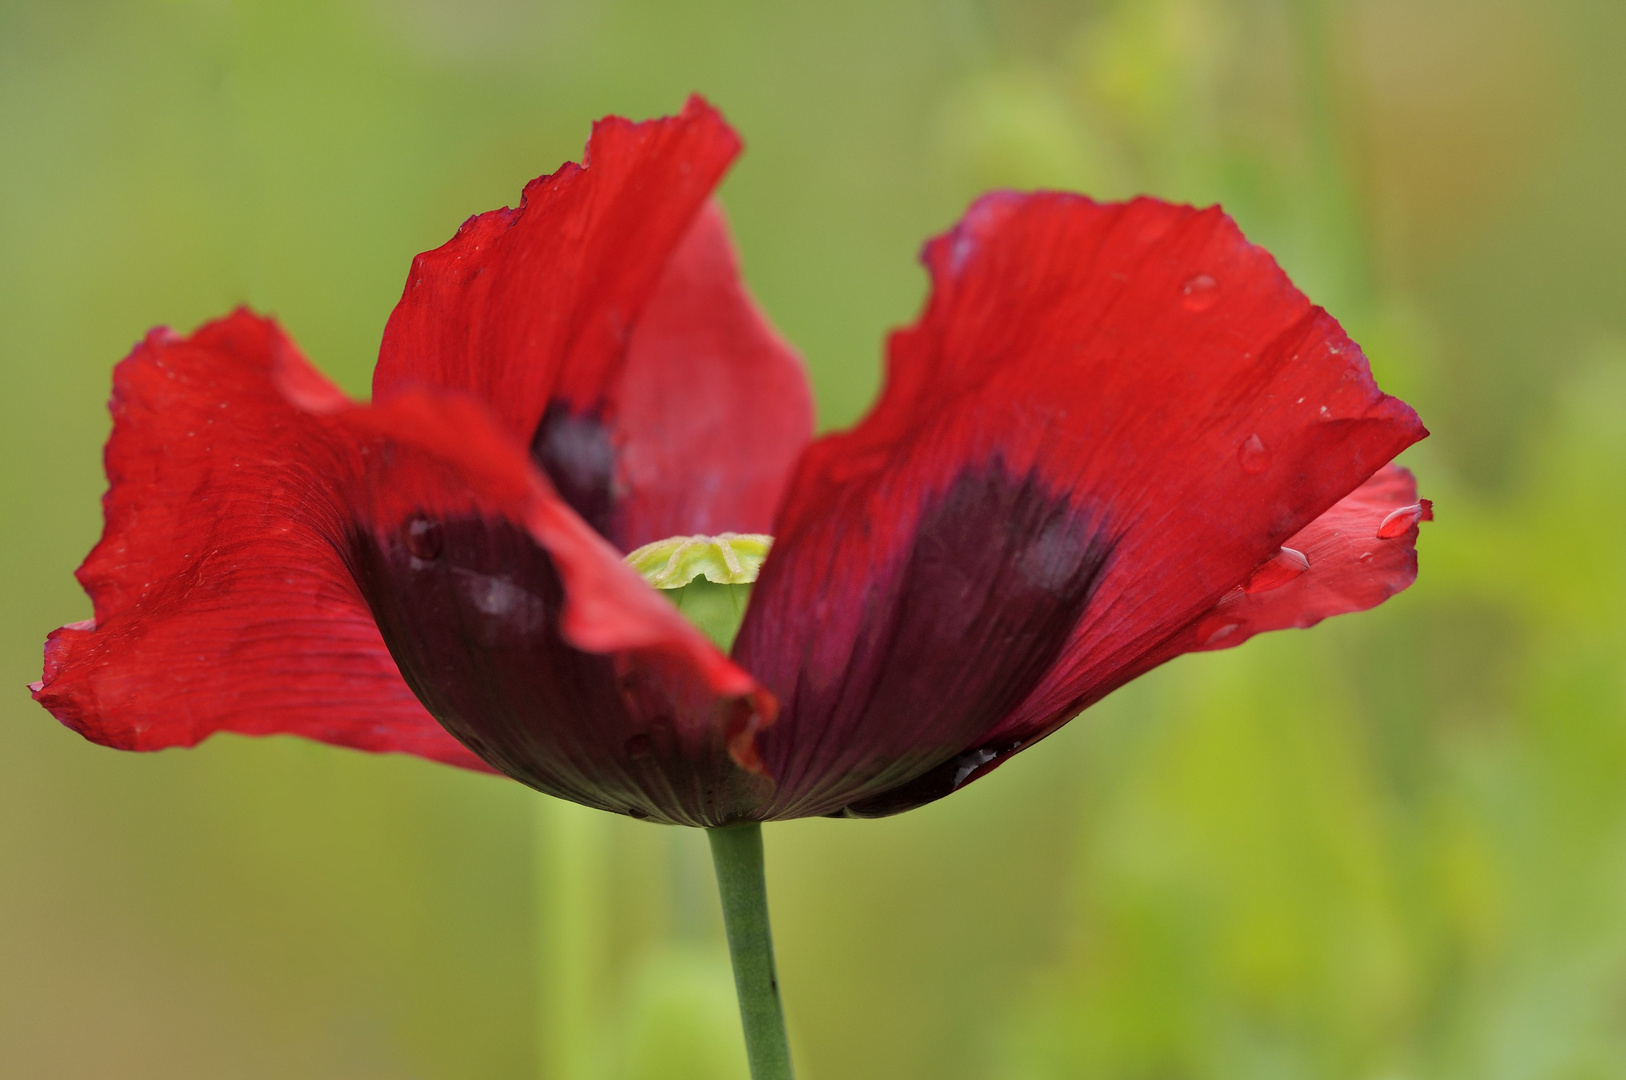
471 612
945 640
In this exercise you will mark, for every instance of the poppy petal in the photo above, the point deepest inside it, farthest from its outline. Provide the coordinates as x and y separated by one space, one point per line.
1107 417
1343 561
220 602
521 629
712 408
237 587
604 323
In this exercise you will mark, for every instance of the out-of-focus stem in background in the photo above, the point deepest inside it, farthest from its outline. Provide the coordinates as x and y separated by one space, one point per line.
1338 209
571 878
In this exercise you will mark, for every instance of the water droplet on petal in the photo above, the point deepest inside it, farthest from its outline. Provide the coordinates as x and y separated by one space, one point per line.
975 762
966 764
1214 629
637 812
1253 455
1366 556
423 538
1288 564
1399 521
1199 293
639 746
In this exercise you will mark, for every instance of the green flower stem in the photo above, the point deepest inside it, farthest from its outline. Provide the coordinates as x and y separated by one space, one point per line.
736 851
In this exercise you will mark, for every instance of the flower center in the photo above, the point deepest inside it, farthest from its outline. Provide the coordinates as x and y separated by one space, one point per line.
708 577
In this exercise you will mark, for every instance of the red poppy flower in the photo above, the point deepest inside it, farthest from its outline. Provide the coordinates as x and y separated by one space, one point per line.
1116 434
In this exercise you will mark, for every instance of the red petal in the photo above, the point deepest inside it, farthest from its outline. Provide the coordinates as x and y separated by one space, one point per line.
1150 403
523 630
526 306
1350 566
1347 566
221 602
712 408
604 323
443 455
226 592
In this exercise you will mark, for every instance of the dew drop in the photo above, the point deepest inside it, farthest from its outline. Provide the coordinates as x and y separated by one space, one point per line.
637 812
1366 556
1287 564
1154 229
1253 455
1214 629
640 746
1399 521
975 762
423 538
967 764
1199 293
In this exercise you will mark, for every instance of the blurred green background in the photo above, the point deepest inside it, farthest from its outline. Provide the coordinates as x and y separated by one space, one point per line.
1392 847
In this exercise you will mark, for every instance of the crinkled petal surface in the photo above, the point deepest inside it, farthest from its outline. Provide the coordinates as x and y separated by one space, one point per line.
604 322
1343 561
221 601
1106 419
277 559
